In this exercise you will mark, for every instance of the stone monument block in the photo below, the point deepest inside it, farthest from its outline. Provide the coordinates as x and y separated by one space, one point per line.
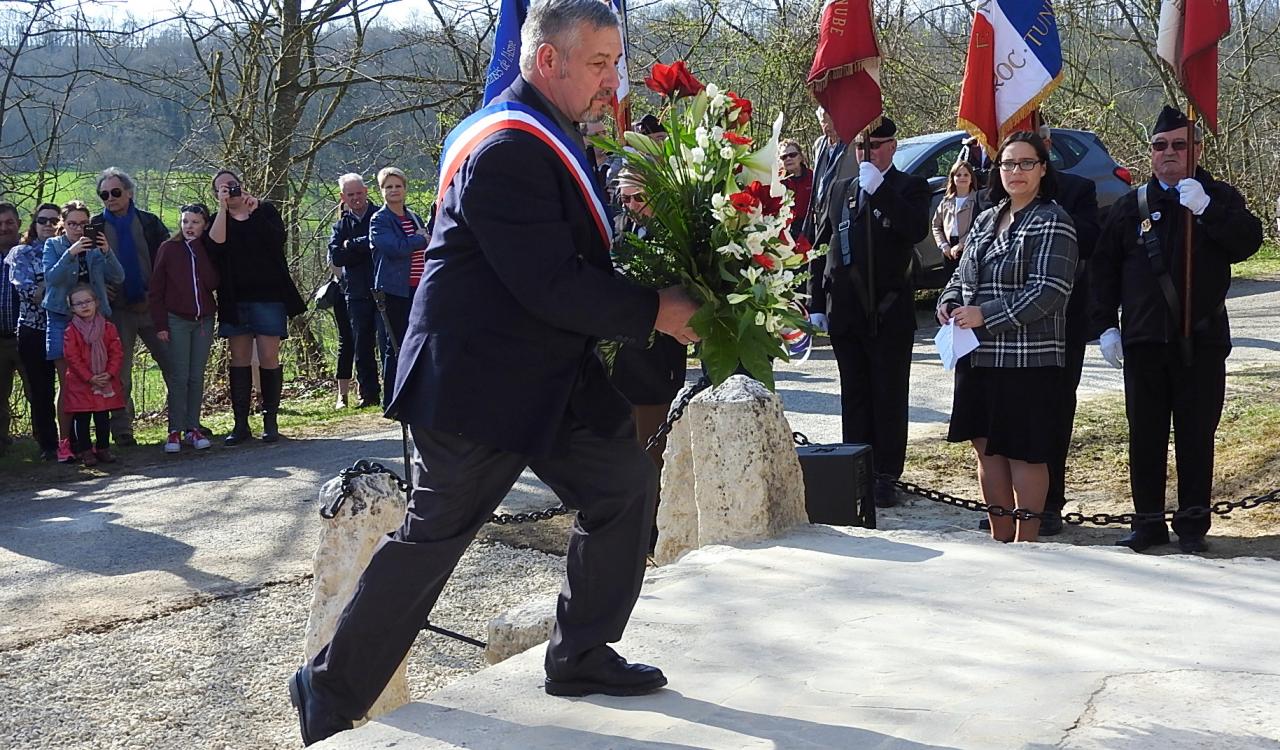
519 629
731 471
375 508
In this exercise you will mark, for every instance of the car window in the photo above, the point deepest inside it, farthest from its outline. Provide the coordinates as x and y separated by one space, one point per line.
939 164
1067 151
907 153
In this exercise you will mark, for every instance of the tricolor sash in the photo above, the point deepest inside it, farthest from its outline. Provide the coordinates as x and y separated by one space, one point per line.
512 115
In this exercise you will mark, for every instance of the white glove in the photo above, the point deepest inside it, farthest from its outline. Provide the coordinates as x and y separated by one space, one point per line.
869 177
1112 351
819 321
1192 195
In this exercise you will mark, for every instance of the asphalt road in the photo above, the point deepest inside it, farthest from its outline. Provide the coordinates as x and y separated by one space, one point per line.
154 538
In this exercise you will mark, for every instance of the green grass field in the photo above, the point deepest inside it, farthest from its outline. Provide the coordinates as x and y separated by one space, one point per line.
1265 264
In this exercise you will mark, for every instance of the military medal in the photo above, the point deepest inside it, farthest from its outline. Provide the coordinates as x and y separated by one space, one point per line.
1146 225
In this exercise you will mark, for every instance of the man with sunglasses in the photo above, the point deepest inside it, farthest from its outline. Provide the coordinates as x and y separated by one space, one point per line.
1139 268
864 298
136 236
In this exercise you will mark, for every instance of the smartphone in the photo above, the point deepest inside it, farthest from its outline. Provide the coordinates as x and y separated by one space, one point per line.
93 232
234 191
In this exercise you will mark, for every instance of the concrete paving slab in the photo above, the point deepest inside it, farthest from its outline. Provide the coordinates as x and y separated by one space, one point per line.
849 638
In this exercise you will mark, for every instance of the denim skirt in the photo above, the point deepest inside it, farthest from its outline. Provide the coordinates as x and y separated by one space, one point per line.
257 319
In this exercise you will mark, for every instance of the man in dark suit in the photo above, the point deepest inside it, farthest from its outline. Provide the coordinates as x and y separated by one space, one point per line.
870 310
349 249
1079 197
833 161
500 372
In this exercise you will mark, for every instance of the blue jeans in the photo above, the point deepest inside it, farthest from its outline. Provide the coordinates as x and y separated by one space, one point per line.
363 314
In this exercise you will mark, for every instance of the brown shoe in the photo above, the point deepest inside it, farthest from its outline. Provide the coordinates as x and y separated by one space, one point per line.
88 458
104 456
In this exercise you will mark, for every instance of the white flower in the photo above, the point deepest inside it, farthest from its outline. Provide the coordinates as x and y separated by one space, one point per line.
760 318
726 152
697 155
703 137
717 133
712 90
732 249
762 165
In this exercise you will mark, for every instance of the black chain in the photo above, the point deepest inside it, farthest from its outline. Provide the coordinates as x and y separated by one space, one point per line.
677 411
363 467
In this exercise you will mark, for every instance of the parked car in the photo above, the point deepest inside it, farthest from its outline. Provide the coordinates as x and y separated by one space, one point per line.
931 156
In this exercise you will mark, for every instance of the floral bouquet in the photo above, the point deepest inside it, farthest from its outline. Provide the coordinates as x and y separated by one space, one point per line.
719 225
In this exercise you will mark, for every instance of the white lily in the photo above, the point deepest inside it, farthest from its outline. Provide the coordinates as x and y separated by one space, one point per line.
762 165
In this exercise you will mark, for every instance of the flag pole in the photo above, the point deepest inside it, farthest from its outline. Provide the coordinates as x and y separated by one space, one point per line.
872 318
1190 224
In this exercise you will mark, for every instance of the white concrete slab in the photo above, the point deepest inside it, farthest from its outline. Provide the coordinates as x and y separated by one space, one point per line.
833 638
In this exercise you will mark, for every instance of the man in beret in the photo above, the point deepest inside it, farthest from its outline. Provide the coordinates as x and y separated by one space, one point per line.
1139 267
865 298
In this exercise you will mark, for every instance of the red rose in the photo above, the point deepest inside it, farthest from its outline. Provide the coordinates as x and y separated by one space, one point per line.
744 202
763 261
743 106
737 140
673 80
768 204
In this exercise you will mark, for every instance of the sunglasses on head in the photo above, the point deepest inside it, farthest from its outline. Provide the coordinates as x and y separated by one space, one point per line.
112 193
195 208
1162 145
43 220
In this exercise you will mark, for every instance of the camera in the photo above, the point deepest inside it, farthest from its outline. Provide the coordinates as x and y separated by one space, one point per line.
234 191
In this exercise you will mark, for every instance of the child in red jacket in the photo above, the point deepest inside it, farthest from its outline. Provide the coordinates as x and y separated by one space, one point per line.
92 389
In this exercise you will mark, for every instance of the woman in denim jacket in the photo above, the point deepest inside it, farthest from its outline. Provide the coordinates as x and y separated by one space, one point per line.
71 259
1011 290
399 239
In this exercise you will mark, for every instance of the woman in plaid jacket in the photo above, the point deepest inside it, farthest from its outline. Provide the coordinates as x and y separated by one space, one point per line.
1011 289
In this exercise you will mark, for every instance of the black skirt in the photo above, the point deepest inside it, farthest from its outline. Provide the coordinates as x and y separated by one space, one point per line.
1017 409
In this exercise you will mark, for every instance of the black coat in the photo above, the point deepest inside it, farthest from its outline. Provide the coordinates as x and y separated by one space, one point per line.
1122 274
901 219
349 249
1079 197
518 288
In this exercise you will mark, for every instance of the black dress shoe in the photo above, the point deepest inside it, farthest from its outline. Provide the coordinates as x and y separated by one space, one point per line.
1051 526
886 495
1139 540
1193 545
124 440
612 676
236 437
316 721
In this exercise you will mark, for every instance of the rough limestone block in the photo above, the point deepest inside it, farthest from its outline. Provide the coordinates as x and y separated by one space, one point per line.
519 629
347 542
732 474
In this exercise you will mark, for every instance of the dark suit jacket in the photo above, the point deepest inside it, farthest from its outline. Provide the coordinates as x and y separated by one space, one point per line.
1079 197
518 287
900 219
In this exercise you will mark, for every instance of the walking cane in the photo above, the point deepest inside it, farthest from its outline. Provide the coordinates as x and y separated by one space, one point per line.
380 299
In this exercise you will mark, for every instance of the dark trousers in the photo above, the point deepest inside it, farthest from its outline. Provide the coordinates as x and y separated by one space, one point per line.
397 314
41 376
346 343
1057 496
609 481
363 315
1157 386
875 376
10 369
80 440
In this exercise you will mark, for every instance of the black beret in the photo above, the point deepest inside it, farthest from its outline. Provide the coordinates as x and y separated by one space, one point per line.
886 129
1169 119
648 125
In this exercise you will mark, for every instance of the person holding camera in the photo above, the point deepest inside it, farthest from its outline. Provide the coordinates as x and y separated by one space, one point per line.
256 298
136 236
80 254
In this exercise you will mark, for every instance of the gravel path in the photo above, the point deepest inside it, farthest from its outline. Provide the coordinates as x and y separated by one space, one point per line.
214 676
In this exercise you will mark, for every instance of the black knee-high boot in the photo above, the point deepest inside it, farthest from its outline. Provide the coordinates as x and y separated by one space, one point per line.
272 381
241 385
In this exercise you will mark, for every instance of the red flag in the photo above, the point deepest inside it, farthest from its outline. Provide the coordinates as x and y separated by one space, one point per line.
977 112
1187 40
845 76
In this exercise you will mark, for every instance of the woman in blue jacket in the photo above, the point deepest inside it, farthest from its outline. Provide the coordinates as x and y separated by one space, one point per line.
71 259
399 238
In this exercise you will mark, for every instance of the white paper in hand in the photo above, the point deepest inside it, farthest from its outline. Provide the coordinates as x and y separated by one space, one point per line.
953 343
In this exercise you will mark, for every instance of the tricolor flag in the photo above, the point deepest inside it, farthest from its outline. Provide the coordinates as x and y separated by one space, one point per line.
845 76
622 105
505 64
1014 63
1188 40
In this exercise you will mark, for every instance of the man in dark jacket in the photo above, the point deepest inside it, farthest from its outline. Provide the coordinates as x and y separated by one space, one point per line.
136 236
349 249
1079 197
499 372
866 293
1139 267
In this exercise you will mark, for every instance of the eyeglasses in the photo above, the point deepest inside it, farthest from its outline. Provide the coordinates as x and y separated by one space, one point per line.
633 198
1026 165
84 303
112 193
1158 146
43 220
872 145
77 224
792 155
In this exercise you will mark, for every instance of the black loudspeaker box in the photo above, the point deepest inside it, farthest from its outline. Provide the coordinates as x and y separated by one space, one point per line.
838 482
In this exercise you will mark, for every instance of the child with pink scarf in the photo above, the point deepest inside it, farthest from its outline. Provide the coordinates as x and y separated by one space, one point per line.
92 388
